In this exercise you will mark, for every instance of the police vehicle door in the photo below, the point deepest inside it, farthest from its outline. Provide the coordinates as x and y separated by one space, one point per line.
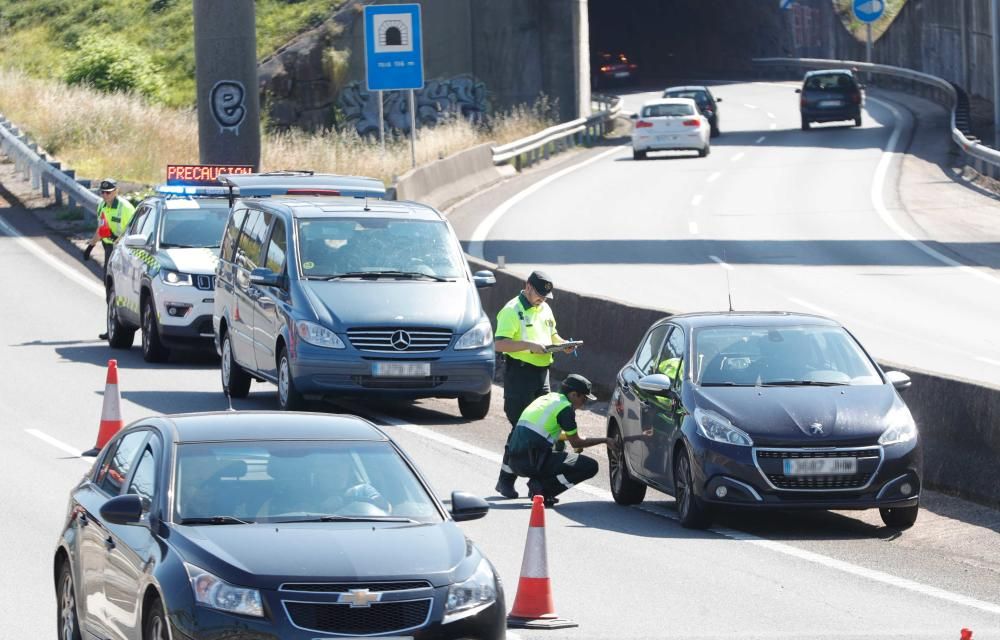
267 316
249 250
133 263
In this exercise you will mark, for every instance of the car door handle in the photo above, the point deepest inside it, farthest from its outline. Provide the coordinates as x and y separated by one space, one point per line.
109 542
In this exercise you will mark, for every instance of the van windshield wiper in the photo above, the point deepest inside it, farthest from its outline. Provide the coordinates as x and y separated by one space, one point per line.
802 383
336 518
374 275
213 520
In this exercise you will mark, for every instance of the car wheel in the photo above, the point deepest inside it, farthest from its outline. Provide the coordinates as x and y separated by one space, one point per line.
704 151
638 155
899 517
69 625
857 120
624 488
152 349
289 399
235 381
805 124
119 336
475 409
694 514
156 623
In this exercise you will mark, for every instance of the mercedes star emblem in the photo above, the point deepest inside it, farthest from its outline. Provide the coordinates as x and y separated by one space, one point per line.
400 340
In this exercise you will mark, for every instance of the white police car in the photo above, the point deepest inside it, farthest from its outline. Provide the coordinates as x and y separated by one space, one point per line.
161 274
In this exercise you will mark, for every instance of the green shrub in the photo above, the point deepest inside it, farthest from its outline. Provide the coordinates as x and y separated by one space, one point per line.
113 66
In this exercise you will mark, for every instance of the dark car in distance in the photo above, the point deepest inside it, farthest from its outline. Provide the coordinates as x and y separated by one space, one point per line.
707 103
612 69
830 96
260 525
762 410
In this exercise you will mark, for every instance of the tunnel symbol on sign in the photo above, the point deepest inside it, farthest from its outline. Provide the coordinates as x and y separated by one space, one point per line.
393 32
227 104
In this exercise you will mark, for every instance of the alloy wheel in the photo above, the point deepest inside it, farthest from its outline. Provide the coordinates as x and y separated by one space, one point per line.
227 360
147 327
615 461
284 376
67 609
683 485
112 317
157 629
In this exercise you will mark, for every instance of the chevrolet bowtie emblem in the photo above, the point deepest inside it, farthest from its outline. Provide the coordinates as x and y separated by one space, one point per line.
816 429
359 598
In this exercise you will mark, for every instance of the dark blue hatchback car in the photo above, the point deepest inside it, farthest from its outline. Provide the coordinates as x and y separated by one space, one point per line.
347 294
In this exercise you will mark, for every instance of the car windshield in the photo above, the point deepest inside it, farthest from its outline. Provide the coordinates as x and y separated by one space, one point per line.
288 481
195 227
667 110
830 82
340 246
780 355
698 96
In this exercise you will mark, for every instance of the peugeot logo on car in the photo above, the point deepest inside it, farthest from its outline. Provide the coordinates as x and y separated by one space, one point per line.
816 429
359 598
400 340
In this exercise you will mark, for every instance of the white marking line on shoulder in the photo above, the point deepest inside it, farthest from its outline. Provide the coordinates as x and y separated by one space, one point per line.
995 363
693 228
750 106
695 201
40 253
482 231
770 115
737 157
715 176
812 307
721 263
777 547
773 126
58 444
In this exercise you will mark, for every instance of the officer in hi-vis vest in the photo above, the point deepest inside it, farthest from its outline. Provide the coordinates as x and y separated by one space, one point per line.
547 420
525 327
113 216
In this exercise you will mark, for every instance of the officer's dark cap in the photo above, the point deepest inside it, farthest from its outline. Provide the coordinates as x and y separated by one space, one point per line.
108 184
576 382
541 283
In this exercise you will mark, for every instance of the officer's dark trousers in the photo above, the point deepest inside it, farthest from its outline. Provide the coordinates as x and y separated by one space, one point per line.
107 246
522 383
556 470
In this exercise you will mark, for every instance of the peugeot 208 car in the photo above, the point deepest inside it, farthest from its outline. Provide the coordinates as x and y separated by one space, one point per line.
267 525
762 410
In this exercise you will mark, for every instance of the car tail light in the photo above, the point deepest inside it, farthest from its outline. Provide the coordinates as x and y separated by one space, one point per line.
642 124
633 67
606 68
802 101
692 123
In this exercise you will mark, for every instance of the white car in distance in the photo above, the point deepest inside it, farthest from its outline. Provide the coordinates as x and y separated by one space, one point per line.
670 124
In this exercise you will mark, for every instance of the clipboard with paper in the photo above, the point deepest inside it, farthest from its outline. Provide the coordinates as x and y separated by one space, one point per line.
552 348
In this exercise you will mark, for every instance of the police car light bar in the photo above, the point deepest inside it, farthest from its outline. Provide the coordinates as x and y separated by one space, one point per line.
288 183
191 191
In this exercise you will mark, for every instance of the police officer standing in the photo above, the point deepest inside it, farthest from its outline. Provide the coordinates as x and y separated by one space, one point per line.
547 420
525 327
113 216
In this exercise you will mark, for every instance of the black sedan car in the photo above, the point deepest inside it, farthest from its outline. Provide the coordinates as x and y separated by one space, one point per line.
707 103
762 410
263 526
830 96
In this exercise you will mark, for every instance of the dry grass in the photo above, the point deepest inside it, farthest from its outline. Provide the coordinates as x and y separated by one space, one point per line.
121 135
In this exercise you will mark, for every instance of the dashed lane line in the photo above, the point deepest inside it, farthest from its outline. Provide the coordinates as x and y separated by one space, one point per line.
695 201
739 156
770 115
995 363
750 106
760 139
693 228
715 176
722 263
773 126
812 307
58 444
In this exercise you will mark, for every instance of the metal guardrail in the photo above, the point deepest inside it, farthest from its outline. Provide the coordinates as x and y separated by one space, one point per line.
44 173
541 145
982 158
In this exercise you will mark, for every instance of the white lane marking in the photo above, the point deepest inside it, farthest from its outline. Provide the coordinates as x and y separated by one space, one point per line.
695 201
878 184
995 363
693 227
727 267
482 231
40 253
777 547
773 126
760 139
714 176
750 106
58 444
770 115
737 157
812 307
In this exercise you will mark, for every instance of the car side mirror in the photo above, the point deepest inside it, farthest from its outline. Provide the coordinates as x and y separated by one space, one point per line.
798 91
898 379
634 116
862 87
657 384
126 509
264 277
135 240
484 279
718 99
465 506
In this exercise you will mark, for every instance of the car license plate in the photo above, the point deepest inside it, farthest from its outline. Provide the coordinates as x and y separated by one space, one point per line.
401 369
665 138
621 74
830 103
821 466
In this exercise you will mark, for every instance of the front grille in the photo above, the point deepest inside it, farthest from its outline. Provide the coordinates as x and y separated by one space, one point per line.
345 587
380 617
771 465
797 453
819 482
399 339
204 283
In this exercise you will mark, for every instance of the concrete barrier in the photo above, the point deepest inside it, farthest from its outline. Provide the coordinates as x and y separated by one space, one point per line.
446 181
959 421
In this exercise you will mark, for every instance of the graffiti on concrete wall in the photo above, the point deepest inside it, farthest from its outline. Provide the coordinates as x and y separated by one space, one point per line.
227 105
458 97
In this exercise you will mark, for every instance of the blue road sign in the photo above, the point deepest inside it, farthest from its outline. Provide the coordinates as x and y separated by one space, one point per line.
869 10
394 54
785 4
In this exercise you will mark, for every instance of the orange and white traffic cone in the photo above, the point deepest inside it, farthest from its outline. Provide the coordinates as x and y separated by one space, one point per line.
533 607
111 413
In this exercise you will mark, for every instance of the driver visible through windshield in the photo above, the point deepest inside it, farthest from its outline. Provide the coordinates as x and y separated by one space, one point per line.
193 228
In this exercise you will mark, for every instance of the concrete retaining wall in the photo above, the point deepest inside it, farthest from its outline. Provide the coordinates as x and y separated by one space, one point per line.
959 421
446 181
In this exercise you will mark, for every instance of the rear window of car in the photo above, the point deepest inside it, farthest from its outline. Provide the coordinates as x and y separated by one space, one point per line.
667 110
698 96
830 82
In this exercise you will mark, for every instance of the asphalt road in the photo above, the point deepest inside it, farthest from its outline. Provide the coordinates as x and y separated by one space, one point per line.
618 572
784 219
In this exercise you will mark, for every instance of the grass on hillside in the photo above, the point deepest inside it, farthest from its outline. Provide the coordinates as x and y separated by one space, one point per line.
40 36
123 136
844 9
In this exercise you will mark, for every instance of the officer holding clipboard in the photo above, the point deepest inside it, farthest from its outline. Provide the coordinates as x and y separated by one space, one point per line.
526 335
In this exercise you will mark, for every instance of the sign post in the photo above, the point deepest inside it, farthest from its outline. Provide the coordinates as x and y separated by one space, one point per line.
394 57
868 11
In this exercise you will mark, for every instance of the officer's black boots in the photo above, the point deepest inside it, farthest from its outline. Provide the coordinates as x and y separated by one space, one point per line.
505 485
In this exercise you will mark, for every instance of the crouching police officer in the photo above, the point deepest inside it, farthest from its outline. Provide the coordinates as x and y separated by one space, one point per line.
546 421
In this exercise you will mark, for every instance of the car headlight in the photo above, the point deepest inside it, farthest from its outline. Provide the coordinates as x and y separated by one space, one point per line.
477 337
214 592
472 596
176 278
902 430
719 428
320 336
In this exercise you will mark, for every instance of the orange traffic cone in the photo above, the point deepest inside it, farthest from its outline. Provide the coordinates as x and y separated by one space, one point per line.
966 634
533 607
111 413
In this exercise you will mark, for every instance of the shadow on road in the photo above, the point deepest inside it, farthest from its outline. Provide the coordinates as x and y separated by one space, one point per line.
98 353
